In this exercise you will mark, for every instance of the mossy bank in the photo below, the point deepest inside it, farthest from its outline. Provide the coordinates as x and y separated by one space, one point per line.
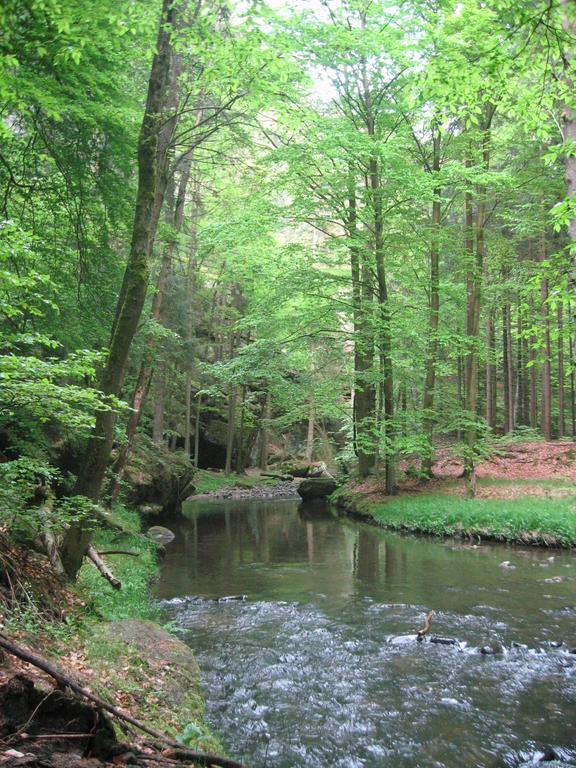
534 520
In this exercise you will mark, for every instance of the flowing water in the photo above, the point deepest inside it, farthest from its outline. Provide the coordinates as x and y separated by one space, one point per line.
318 667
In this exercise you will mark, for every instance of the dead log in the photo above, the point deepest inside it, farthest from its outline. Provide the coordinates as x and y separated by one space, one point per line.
92 555
174 749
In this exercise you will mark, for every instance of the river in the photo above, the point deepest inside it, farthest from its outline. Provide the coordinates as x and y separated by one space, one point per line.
319 668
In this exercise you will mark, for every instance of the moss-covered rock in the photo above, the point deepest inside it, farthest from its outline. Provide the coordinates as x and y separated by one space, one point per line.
158 673
317 487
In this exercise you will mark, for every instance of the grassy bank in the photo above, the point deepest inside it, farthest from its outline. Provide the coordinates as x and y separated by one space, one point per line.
526 520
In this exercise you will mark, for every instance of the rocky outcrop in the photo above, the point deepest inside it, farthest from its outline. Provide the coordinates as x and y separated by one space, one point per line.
158 478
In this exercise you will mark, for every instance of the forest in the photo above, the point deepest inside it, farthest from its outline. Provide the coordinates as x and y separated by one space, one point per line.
321 236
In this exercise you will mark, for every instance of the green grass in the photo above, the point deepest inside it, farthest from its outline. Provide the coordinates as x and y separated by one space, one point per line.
135 573
530 520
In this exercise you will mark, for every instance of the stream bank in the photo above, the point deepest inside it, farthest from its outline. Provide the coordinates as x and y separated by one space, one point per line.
526 495
110 643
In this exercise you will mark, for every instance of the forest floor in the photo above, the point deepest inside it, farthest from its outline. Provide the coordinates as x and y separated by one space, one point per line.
526 493
515 470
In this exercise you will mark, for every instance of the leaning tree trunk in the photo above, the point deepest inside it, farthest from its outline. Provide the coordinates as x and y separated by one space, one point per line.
175 220
135 285
434 312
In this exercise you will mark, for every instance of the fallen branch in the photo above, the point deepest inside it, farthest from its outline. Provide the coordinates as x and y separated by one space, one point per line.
176 749
92 555
425 629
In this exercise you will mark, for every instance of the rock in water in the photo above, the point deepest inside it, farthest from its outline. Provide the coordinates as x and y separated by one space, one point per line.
160 534
316 488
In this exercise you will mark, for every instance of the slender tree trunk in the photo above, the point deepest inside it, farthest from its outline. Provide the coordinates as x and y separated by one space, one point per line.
197 430
434 310
240 456
231 430
508 372
546 415
310 431
474 302
266 413
188 413
364 402
569 131
384 331
561 399
490 372
133 293
158 420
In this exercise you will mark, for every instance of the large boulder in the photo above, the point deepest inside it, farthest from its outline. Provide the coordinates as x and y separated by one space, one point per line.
317 487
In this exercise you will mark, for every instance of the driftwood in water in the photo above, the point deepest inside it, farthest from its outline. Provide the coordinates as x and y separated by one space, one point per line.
93 556
423 631
176 750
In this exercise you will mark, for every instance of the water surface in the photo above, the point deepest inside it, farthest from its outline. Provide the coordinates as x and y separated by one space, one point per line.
319 667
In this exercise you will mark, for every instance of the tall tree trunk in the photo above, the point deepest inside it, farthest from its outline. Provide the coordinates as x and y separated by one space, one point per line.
508 372
474 302
231 430
434 310
240 459
175 219
364 403
569 131
384 330
158 420
490 371
197 430
546 415
266 413
135 284
310 430
561 399
188 413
